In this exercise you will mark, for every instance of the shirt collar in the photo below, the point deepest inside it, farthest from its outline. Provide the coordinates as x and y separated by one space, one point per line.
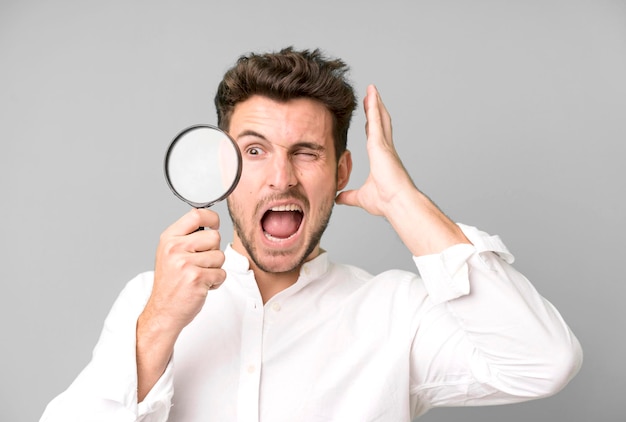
235 261
311 270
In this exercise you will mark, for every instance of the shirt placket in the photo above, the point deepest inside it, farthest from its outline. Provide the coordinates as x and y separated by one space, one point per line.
251 358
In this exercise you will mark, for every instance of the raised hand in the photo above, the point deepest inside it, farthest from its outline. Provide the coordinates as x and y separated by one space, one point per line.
390 192
387 177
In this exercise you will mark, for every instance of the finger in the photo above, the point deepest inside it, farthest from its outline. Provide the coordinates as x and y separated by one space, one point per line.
203 240
198 241
193 220
374 129
373 124
213 278
378 118
207 218
385 117
209 259
348 197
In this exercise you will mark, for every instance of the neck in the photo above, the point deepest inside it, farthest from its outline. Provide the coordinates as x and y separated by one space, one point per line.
270 284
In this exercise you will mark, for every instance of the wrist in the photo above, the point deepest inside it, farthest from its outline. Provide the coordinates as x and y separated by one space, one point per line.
153 328
154 349
421 225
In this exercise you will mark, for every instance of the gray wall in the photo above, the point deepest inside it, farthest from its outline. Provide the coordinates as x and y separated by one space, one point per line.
511 115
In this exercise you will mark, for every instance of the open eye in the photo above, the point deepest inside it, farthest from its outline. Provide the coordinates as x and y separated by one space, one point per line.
254 151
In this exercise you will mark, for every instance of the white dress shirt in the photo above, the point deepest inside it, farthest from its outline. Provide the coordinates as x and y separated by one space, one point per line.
339 345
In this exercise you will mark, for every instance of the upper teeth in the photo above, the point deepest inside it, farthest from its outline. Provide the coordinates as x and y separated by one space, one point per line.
289 207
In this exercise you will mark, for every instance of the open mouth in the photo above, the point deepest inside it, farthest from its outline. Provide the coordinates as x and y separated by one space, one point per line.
282 222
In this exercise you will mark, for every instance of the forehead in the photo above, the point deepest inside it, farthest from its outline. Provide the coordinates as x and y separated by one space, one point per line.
300 119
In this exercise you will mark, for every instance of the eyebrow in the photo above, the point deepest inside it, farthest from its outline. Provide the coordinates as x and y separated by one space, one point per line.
310 145
304 144
250 133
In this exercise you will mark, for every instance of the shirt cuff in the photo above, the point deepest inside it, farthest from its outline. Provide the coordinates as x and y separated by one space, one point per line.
446 275
159 398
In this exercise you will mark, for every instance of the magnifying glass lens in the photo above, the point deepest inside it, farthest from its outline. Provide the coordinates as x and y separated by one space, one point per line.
202 165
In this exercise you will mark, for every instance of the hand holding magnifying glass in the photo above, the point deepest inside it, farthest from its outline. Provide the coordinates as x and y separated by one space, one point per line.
202 167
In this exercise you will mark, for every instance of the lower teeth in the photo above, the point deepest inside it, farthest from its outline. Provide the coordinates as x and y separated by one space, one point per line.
277 239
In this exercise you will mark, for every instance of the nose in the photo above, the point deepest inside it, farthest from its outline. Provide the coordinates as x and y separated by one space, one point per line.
282 173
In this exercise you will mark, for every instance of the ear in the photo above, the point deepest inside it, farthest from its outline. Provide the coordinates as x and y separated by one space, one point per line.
344 168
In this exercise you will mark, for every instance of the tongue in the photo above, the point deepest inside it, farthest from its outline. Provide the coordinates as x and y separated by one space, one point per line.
281 224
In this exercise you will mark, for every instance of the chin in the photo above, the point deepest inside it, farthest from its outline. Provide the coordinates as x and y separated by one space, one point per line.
279 261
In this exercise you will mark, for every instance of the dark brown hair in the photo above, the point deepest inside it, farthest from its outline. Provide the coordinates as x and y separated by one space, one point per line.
290 74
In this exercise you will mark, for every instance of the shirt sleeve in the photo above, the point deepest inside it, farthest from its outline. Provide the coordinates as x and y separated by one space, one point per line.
487 336
106 390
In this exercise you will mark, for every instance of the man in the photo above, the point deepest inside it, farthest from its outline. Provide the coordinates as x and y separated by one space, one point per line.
271 329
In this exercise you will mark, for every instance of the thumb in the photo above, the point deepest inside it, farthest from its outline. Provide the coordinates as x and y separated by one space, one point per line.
348 197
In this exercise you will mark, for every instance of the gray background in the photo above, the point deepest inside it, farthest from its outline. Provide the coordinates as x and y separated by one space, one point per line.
511 115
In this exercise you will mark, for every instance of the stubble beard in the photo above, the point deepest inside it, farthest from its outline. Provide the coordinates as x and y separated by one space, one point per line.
316 232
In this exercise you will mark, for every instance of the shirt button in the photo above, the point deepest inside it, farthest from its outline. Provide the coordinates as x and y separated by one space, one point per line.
276 306
251 369
306 270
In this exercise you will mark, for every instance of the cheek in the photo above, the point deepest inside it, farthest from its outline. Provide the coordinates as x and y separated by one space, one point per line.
323 193
245 187
237 199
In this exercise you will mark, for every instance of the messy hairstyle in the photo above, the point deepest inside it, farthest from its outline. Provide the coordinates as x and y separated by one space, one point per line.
286 75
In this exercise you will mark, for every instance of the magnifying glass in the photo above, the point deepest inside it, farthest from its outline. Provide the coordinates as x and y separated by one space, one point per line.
202 165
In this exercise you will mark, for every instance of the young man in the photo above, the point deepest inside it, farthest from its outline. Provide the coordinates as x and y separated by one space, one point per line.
271 329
